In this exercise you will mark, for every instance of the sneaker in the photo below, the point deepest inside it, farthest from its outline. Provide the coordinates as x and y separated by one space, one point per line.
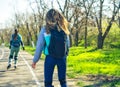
8 66
15 67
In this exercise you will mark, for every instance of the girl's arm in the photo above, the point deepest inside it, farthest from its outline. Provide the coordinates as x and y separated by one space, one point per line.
39 46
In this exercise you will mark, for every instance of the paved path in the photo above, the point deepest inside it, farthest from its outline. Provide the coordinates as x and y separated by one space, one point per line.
24 75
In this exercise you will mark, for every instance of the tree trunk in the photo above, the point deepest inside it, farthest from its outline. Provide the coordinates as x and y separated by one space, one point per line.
28 40
85 36
70 40
76 38
119 21
29 34
86 24
99 24
100 41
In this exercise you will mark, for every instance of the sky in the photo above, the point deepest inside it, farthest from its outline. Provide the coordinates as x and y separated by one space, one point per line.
8 7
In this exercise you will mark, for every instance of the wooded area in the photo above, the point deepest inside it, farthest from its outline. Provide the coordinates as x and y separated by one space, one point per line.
91 22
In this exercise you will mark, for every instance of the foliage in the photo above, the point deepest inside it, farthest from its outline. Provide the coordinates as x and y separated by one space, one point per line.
90 61
30 50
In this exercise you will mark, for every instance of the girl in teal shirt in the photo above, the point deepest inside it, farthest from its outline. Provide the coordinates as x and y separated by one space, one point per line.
53 18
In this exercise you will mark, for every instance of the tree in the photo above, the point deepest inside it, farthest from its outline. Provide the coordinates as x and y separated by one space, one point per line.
102 35
87 5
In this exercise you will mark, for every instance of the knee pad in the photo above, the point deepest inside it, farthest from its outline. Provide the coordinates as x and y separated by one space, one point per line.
63 81
15 57
11 56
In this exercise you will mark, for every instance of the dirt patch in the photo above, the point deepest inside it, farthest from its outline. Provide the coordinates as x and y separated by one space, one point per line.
97 81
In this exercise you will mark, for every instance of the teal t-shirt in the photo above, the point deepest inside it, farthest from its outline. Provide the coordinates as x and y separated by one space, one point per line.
47 41
16 42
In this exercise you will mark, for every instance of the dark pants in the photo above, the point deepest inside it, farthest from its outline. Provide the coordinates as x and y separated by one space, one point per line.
49 66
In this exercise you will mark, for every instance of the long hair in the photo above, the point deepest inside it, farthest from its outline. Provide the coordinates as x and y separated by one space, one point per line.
53 18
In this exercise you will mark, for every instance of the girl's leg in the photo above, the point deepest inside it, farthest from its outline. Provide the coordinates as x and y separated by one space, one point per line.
10 57
61 65
48 70
16 56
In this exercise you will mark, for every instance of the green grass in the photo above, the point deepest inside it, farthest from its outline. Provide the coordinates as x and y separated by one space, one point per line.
105 62
82 62
30 50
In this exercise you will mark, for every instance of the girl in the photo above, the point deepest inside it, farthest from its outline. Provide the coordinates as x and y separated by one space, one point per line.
15 42
53 19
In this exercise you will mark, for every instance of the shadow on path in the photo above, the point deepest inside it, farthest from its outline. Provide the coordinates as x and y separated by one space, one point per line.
102 80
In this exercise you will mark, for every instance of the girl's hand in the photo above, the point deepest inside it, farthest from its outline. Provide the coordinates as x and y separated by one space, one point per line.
33 65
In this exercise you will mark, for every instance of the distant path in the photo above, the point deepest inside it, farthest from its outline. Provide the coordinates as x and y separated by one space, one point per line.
24 75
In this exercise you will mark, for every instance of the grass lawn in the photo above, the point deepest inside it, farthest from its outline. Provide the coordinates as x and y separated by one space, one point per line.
100 66
81 61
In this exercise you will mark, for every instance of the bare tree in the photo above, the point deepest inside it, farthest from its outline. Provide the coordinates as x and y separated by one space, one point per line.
78 23
87 5
35 21
38 16
101 35
41 7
